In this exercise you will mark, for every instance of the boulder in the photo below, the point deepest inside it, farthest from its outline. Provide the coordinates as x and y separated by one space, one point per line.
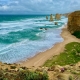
51 17
41 28
58 16
74 22
56 23
45 28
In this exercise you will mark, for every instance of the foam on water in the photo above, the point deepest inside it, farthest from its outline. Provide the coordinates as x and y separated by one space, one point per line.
17 51
23 39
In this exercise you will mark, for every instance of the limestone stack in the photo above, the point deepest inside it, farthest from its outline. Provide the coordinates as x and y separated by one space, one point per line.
58 16
51 17
66 14
46 17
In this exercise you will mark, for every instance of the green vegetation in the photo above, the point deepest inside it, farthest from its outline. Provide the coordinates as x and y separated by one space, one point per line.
70 55
77 34
22 74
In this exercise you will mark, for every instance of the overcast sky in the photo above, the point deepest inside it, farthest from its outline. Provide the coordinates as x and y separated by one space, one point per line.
38 6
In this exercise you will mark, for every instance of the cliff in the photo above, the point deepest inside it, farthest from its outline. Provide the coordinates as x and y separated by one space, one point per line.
74 22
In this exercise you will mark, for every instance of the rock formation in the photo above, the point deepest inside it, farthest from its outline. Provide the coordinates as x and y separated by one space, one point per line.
66 14
58 16
51 17
56 23
46 17
74 22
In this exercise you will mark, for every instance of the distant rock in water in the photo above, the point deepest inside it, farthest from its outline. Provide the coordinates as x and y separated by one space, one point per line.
51 17
74 22
58 16
41 28
45 28
66 14
56 23
46 17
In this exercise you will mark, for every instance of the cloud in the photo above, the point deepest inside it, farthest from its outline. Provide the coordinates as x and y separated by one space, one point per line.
4 7
39 6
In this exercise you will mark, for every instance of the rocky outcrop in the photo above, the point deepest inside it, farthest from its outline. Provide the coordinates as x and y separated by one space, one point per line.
66 14
51 17
74 22
46 17
58 16
56 23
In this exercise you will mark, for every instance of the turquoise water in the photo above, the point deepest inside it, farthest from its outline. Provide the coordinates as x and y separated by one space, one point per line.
22 38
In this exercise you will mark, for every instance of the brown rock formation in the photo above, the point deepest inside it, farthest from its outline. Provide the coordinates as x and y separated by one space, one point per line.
74 21
51 17
58 16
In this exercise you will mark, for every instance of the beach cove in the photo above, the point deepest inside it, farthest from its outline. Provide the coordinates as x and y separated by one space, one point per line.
39 40
41 58
24 36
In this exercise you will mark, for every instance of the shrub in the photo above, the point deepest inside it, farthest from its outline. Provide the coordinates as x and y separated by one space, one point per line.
23 75
77 34
30 75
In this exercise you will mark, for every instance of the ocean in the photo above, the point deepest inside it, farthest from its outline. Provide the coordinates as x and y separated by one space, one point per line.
21 37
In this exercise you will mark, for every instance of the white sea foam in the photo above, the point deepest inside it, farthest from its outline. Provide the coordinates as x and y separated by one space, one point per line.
26 48
30 48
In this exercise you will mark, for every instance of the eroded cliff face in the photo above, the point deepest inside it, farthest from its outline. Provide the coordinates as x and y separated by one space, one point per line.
74 22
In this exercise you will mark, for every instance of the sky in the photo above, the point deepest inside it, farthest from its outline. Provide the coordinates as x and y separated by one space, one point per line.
38 6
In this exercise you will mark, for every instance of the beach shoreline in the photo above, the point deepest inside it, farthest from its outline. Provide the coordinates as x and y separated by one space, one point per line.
40 58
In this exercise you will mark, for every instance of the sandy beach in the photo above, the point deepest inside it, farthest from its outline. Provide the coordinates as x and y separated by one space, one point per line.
40 58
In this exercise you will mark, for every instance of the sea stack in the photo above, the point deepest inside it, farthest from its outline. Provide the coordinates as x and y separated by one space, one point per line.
46 17
51 17
74 22
56 23
66 14
58 16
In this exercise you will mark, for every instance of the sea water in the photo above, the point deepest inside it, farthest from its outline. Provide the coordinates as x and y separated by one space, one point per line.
21 37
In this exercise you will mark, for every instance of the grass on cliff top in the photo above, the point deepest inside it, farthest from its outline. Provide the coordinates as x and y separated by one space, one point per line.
70 55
